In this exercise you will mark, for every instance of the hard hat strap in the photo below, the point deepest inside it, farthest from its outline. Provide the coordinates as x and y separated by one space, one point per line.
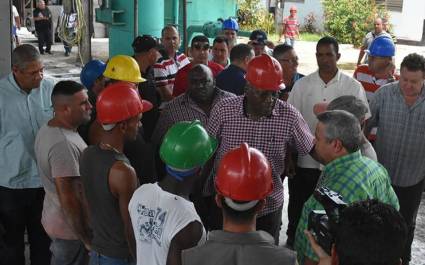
181 174
240 207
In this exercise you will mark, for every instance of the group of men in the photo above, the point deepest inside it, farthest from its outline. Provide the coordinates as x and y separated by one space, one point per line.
219 133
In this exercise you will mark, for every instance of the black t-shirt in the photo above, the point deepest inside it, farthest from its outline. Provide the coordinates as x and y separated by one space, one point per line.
42 24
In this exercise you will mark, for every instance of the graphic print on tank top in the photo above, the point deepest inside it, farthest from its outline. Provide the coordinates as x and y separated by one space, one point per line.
150 224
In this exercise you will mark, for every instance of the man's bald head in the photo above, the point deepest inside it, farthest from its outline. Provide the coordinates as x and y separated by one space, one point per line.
201 84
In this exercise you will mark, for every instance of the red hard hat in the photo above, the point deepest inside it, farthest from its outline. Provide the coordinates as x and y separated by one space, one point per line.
264 72
244 174
120 101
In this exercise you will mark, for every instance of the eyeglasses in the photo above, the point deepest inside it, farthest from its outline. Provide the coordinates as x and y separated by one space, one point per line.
291 60
199 46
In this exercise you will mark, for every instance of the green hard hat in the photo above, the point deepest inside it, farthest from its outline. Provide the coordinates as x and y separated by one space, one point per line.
187 145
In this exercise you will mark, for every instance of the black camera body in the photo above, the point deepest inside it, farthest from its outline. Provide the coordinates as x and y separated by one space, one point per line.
322 223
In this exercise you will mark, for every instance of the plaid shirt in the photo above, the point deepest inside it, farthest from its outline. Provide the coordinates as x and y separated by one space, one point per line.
271 135
400 141
356 178
183 108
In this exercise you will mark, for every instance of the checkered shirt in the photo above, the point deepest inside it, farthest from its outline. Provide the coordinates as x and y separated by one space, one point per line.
271 135
356 178
400 141
183 108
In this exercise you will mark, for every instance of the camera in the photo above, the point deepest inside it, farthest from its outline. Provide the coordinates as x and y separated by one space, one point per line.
322 223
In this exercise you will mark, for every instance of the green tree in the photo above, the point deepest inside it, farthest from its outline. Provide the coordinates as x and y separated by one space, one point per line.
350 20
252 15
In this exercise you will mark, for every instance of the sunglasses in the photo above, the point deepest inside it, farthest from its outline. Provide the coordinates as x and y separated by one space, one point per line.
198 46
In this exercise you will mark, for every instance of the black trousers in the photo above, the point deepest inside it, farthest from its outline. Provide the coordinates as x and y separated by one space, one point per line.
301 187
409 199
20 209
44 39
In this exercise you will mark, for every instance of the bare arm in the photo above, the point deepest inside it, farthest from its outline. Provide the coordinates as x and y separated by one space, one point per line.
74 206
123 182
361 54
186 238
164 92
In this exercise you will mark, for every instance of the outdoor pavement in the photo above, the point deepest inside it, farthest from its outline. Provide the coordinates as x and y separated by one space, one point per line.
61 67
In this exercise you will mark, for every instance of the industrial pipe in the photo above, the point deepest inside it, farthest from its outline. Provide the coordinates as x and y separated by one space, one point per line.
185 26
136 19
176 12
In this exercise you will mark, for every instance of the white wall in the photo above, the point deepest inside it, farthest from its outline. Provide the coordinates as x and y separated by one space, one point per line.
6 41
408 25
309 6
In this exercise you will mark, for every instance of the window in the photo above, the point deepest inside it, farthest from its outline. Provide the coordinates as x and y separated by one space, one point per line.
392 5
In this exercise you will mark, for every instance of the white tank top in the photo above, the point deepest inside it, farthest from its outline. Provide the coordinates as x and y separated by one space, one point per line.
157 216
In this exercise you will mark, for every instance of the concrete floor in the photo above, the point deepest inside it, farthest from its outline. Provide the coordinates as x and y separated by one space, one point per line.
61 67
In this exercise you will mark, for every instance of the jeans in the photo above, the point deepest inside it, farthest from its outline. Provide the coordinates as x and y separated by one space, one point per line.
20 210
44 38
68 252
409 199
301 187
290 42
99 259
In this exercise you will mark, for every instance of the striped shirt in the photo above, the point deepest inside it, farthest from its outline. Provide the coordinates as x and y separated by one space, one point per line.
165 70
355 178
183 108
369 81
291 27
400 141
271 135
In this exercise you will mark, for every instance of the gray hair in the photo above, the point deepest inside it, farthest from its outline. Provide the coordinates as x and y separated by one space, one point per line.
24 54
350 104
344 126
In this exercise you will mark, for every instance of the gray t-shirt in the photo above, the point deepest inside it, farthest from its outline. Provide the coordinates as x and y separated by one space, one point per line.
57 151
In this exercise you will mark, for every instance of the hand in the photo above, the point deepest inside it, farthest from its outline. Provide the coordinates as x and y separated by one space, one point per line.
324 258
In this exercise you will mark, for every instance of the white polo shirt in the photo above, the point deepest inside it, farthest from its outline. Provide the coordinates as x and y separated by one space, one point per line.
311 90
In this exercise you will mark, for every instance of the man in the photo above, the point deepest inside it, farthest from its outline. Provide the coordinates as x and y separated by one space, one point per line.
164 220
146 54
166 68
232 79
199 50
220 51
92 78
230 30
290 27
58 148
324 85
346 171
108 178
288 59
263 121
24 106
16 24
195 104
398 110
43 26
258 41
243 181
370 36
359 109
380 68
368 232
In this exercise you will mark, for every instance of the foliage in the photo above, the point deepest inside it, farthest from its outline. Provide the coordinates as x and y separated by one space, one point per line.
252 15
350 20
306 36
310 23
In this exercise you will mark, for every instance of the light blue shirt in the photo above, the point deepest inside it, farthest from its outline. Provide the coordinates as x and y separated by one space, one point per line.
21 116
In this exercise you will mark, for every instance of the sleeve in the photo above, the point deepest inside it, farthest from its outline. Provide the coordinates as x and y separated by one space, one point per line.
162 126
301 244
359 92
64 160
161 75
302 138
375 106
15 11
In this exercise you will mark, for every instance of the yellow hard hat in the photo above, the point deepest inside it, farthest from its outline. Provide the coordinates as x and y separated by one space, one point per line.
123 68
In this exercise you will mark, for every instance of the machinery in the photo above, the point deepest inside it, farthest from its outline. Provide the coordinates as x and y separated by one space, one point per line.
128 19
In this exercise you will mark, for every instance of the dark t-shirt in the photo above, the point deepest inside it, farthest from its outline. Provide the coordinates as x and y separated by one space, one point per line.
42 24
232 79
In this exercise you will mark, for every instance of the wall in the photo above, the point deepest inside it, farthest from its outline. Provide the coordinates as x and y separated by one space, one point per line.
6 42
408 25
304 9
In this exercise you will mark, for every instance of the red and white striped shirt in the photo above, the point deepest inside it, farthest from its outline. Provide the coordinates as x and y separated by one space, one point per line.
165 70
291 27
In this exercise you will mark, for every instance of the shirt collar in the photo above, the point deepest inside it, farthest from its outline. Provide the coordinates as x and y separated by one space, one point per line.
335 79
15 85
342 161
187 100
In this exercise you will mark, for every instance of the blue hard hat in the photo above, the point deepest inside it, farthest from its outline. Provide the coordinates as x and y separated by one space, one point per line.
231 24
92 71
382 47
